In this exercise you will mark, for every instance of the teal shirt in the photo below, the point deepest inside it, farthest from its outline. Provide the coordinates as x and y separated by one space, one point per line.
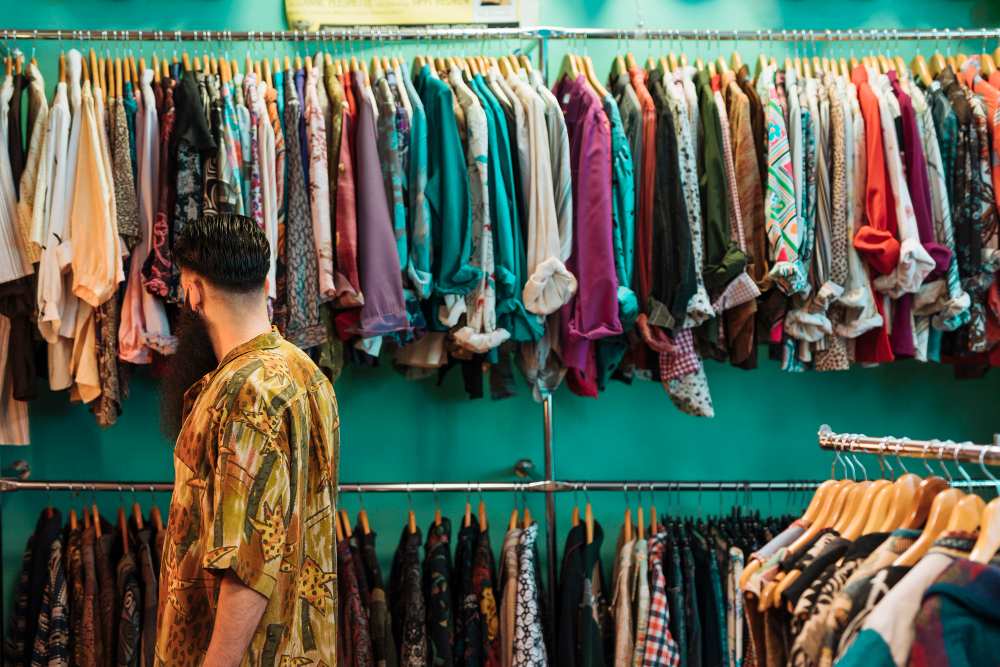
611 351
509 256
447 191
419 231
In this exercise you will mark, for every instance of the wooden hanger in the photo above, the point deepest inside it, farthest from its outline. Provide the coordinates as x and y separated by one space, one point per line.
345 519
73 524
62 67
411 522
366 527
235 68
855 528
186 60
266 67
225 74
575 516
966 515
989 534
833 504
937 520
987 66
640 523
512 523
920 70
154 514
308 62
628 524
84 70
340 527
483 523
654 520
930 488
567 68
808 517
86 517
467 516
852 507
526 519
595 83
123 527
905 496
137 515
881 509
437 515
588 519
630 61
525 63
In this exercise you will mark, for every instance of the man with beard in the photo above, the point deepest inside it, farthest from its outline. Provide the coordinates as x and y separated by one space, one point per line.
249 562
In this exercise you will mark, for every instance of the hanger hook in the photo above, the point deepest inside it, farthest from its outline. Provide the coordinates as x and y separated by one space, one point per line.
986 471
965 475
409 497
941 460
361 496
927 446
899 460
854 456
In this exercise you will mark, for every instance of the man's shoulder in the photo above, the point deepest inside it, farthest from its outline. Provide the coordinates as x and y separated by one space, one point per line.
276 376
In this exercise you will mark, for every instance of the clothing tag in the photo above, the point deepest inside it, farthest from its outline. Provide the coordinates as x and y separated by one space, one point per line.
566 98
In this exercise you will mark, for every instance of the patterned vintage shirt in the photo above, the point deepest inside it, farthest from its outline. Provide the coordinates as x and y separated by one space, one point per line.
255 470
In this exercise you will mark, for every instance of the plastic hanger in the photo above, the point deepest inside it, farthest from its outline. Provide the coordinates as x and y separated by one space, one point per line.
988 544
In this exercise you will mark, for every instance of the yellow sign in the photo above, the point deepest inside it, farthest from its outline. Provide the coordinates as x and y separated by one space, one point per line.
315 14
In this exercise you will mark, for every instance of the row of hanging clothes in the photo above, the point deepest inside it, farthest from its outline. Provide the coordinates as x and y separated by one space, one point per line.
87 591
462 604
890 571
461 213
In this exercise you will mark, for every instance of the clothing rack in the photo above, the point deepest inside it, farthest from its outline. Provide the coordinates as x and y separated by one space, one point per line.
540 35
944 450
391 33
543 486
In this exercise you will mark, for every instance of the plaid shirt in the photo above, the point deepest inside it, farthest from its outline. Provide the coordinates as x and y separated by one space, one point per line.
660 647
683 360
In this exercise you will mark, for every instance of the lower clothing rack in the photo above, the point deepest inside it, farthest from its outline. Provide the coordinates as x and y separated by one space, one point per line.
539 486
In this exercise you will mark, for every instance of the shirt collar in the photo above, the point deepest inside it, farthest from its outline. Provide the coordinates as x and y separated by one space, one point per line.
264 341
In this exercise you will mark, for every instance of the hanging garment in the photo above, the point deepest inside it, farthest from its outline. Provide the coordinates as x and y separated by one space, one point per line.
354 645
408 611
438 593
480 333
468 645
380 621
384 309
529 645
319 195
509 582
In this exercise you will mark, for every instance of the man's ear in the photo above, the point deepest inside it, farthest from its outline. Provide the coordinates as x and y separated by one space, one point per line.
195 295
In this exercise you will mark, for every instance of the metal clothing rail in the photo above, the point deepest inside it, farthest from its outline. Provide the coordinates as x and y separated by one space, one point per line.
385 33
944 450
543 486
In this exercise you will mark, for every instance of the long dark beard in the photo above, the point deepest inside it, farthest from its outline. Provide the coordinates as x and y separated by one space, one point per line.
192 360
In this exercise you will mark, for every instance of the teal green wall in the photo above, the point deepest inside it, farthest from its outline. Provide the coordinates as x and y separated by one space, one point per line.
394 430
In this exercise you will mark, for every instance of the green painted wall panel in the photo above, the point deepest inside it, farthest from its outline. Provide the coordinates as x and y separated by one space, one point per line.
394 430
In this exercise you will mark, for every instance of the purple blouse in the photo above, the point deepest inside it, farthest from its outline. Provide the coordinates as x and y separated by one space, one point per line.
384 309
592 313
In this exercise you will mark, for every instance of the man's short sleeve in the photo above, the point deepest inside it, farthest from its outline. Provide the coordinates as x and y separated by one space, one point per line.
247 512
